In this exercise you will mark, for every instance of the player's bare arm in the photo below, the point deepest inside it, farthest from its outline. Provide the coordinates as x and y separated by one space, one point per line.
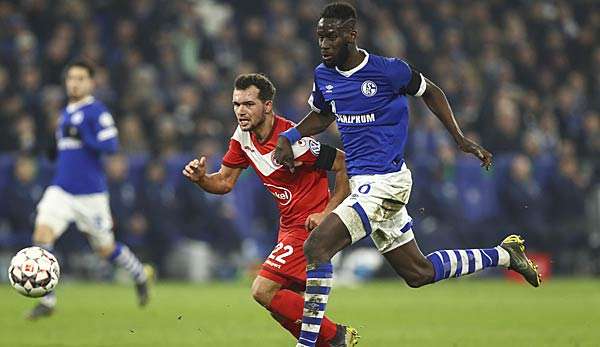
436 101
340 192
314 123
221 182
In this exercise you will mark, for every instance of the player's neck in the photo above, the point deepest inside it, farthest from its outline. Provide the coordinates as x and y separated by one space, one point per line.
264 131
355 57
74 101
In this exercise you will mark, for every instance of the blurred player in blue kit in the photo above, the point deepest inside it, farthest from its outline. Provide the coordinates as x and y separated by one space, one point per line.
78 192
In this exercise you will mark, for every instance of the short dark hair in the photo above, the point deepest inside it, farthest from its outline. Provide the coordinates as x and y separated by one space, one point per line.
266 89
82 64
339 10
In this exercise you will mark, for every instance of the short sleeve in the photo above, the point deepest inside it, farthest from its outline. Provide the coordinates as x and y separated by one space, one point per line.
98 129
235 156
306 150
404 78
104 127
316 100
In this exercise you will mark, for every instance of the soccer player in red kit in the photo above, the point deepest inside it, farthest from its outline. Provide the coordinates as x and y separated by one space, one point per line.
302 197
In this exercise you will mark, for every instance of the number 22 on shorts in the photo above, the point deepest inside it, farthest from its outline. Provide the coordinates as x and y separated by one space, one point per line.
287 251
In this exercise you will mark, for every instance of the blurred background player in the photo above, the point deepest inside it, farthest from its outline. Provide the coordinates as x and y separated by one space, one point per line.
302 198
366 94
78 193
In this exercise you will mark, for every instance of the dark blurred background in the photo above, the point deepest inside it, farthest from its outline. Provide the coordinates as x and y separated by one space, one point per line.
523 78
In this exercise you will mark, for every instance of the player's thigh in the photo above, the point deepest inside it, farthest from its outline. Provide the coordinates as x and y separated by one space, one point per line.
264 289
330 237
377 203
54 213
286 264
93 217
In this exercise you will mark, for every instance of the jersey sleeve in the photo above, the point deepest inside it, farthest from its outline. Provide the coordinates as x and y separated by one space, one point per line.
404 78
316 100
306 150
311 152
100 131
235 156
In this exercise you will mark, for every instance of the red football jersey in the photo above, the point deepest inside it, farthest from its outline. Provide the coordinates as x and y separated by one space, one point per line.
297 194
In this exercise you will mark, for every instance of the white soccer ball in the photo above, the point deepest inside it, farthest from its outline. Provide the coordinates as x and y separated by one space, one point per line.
33 272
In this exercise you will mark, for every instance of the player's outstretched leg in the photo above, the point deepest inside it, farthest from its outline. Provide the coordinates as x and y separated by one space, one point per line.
417 270
286 307
509 254
122 256
43 237
324 242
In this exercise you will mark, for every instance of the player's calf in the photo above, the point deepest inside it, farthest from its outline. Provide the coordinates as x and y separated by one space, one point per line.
450 263
120 255
419 277
410 264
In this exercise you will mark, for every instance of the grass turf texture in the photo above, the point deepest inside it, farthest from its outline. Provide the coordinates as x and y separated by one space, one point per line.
469 312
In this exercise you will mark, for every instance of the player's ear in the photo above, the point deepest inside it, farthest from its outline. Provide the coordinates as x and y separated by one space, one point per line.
352 35
268 106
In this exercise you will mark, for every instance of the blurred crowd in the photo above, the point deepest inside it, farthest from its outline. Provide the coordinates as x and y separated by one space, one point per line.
523 78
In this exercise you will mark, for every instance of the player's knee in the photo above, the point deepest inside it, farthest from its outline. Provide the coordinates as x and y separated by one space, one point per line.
315 252
261 297
105 251
262 293
43 234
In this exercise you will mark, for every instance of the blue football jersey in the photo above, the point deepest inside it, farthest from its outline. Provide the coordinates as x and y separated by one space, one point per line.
371 110
86 130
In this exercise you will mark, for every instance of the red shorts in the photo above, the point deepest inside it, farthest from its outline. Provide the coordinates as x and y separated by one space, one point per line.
286 264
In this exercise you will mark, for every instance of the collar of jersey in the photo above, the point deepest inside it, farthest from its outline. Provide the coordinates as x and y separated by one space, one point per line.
79 104
357 67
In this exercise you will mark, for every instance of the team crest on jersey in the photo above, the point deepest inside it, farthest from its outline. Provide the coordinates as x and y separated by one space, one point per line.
315 147
368 88
77 118
276 165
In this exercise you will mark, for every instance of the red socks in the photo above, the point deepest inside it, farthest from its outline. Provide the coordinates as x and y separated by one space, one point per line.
290 305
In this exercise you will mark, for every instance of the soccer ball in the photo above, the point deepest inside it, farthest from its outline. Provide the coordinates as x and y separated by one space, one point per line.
33 272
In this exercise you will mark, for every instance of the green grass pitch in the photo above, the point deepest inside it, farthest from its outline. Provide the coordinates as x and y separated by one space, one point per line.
468 312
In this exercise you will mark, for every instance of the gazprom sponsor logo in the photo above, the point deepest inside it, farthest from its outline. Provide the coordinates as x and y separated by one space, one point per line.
356 118
66 143
282 194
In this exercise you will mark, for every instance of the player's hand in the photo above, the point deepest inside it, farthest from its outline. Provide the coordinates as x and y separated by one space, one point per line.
283 154
195 169
469 146
314 220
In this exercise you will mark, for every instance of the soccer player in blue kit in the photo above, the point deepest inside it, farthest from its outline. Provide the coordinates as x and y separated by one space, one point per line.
78 193
366 95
